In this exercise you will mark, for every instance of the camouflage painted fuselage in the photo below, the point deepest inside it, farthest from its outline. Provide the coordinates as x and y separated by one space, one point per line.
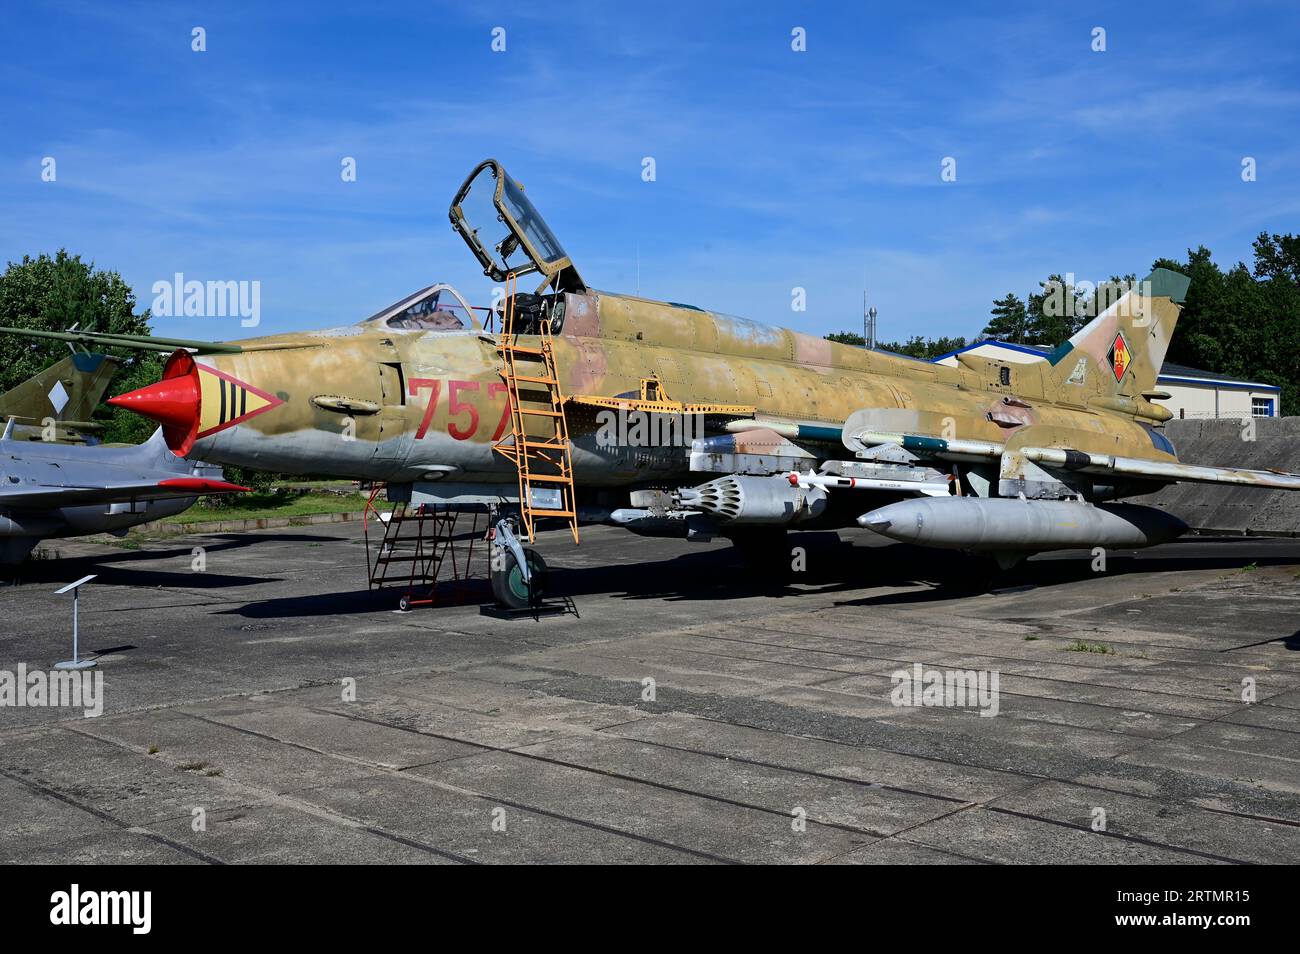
373 402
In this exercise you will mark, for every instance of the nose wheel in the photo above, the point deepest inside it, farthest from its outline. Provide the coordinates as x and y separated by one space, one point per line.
514 588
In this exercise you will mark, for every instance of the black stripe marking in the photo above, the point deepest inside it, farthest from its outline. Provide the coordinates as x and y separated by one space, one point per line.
221 417
243 401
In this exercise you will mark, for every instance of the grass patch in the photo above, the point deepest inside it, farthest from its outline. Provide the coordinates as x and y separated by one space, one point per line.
270 505
1083 646
1030 639
326 486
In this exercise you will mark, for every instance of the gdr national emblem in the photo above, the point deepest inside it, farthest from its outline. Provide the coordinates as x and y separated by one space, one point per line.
1120 356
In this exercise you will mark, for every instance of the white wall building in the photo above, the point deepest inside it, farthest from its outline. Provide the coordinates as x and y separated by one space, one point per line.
1192 393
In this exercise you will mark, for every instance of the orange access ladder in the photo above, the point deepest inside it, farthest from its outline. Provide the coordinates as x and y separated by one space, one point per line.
538 443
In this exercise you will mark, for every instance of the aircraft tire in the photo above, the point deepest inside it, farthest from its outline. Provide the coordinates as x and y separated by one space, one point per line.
508 584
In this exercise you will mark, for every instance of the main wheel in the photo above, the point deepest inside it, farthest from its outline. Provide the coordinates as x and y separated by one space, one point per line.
508 584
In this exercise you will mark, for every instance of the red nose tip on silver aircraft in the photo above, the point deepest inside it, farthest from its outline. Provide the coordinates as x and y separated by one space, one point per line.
69 490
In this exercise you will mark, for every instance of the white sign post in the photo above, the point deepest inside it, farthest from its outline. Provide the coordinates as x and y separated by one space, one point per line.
76 662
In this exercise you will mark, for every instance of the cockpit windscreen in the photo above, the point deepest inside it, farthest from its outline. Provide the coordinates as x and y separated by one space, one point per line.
437 308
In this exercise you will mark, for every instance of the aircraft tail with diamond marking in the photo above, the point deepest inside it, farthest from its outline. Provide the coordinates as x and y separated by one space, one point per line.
1120 352
66 393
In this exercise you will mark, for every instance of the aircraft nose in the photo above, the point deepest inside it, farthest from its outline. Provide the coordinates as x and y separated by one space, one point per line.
172 403
175 402
193 401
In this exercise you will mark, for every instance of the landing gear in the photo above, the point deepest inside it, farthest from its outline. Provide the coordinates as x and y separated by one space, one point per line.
518 572
513 588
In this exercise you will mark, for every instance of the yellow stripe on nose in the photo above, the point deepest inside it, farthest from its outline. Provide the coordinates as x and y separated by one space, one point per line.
227 400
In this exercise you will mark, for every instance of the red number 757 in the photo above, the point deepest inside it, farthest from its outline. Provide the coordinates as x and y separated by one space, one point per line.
456 406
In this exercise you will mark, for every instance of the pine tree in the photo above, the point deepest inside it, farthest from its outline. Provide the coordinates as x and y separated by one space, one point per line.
1053 314
1008 321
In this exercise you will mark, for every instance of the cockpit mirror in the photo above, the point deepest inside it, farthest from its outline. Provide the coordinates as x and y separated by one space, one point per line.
505 231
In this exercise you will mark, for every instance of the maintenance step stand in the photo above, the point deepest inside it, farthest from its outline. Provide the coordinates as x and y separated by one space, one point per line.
417 544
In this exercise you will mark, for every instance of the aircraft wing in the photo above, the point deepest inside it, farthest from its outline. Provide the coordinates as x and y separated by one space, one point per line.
27 495
1160 470
1076 460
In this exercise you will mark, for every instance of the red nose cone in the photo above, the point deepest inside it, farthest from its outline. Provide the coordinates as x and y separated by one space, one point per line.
174 402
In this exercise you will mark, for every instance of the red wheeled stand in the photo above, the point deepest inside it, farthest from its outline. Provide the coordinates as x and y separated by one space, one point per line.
420 547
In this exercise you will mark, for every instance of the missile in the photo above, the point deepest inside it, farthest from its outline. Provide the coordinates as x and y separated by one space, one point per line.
942 447
681 525
1012 524
840 482
788 429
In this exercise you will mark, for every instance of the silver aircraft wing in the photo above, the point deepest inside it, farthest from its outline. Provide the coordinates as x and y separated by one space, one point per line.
40 495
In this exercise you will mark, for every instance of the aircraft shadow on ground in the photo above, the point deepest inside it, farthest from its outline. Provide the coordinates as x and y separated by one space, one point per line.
961 575
116 567
718 573
834 565
353 602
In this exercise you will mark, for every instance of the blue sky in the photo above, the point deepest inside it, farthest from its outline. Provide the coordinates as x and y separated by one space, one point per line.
775 169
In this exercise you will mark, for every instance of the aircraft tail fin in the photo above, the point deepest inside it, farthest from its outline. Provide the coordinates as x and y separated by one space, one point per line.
1121 351
68 390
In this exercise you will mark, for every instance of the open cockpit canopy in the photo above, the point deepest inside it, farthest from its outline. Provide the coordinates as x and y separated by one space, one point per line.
506 233
436 308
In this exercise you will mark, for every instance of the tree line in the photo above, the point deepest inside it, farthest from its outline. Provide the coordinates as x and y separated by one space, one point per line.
59 292
1242 321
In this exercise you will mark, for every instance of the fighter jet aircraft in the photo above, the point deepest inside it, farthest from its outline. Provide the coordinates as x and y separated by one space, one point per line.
67 490
794 430
56 404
